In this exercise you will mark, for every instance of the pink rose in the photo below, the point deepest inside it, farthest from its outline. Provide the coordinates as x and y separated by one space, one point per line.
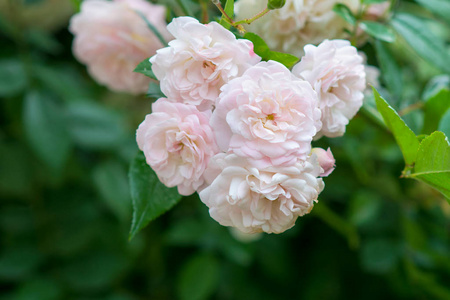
326 160
199 61
260 200
177 142
336 72
112 39
267 115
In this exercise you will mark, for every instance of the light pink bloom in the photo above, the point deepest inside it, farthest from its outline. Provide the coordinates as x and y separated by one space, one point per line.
336 72
267 115
199 61
260 200
377 10
112 39
177 142
326 160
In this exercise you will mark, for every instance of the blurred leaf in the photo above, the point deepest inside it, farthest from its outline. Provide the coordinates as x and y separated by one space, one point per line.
422 40
378 31
154 91
379 255
45 128
43 41
229 9
32 2
433 163
260 48
145 67
112 183
345 13
153 28
435 108
13 78
391 72
439 7
94 126
372 1
76 4
199 278
406 139
150 197
444 125
365 208
19 262
435 85
15 175
39 289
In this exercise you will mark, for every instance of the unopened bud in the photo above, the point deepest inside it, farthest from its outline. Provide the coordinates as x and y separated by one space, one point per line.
275 4
326 160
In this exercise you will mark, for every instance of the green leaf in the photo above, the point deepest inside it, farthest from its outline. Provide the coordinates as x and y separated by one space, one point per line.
260 48
444 125
45 128
378 31
439 7
150 197
391 72
345 13
433 163
154 91
229 9
145 67
435 108
380 255
13 78
372 1
112 184
422 40
406 139
94 126
199 278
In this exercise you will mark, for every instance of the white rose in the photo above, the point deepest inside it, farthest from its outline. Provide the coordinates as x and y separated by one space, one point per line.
297 23
336 72
199 61
260 200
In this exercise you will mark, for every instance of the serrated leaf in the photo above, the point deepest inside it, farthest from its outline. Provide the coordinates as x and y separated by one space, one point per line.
439 7
433 163
260 48
150 197
345 13
199 278
406 139
45 128
434 109
422 40
145 67
391 72
378 31
229 9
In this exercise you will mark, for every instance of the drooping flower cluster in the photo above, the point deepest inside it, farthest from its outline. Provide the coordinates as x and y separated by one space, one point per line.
111 39
239 131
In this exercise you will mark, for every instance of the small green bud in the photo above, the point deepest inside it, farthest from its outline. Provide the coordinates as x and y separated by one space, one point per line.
275 4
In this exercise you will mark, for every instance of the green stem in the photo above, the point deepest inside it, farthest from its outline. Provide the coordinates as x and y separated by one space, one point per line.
257 16
153 29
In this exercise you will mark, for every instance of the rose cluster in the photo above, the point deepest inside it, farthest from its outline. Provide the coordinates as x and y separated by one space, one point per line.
238 130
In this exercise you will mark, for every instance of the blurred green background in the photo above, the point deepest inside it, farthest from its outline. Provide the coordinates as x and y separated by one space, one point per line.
65 209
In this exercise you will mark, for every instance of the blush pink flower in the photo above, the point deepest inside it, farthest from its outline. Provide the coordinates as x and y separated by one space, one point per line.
336 72
112 39
326 160
199 61
267 115
260 200
177 142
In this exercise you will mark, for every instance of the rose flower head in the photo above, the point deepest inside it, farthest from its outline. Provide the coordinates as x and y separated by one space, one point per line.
112 39
177 142
200 59
260 200
267 115
336 72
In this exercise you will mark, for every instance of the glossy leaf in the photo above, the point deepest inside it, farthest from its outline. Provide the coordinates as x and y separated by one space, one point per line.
433 163
145 67
150 197
435 108
406 139
422 40
345 13
378 31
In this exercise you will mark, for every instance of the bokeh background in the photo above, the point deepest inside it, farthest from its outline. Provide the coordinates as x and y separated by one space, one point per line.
65 208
